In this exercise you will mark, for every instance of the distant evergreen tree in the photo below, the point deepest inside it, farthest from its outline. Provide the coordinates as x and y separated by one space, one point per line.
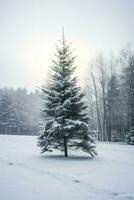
65 121
129 84
130 136
7 114
113 108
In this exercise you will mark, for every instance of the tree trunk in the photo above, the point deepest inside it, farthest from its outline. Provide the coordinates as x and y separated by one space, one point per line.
65 147
97 109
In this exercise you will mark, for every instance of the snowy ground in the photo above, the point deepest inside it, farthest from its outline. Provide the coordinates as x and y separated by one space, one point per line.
27 175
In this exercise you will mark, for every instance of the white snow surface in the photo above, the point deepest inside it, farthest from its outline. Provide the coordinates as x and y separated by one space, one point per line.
27 175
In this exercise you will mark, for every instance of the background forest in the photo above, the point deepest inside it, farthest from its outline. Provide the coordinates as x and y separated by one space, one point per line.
109 90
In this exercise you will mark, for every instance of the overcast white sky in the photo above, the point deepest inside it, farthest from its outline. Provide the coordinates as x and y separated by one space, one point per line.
29 30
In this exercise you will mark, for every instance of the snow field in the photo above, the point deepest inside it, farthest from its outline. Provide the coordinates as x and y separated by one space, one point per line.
27 175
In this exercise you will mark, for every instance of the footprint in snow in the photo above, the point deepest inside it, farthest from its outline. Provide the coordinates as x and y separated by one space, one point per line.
114 193
76 181
10 163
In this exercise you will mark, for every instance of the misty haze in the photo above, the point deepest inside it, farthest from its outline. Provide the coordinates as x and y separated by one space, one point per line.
66 100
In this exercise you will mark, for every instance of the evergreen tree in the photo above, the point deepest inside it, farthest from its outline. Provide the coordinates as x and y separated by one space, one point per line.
113 108
7 114
65 121
130 136
128 83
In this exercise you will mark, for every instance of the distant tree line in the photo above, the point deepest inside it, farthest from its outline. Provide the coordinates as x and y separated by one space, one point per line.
110 96
19 112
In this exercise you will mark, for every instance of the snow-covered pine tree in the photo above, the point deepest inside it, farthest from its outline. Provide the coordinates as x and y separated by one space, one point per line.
65 121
